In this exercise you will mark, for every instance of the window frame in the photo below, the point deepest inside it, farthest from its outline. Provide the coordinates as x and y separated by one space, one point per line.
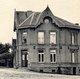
55 37
48 18
24 37
73 57
23 57
53 59
75 36
38 38
46 21
41 57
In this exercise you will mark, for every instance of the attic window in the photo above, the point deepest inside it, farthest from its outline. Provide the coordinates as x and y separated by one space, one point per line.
47 20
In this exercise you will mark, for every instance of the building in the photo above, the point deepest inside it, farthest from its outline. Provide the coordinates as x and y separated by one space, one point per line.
46 43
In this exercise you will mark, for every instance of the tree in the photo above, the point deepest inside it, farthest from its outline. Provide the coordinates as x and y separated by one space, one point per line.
6 55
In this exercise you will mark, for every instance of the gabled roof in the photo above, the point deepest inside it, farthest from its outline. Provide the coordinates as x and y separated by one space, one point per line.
31 19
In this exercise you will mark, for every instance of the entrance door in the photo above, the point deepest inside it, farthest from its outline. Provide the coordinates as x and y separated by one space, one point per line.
59 70
24 58
74 70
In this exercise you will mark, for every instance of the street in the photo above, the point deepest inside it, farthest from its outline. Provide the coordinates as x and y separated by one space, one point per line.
11 73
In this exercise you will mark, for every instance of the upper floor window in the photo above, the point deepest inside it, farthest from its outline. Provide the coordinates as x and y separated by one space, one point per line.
41 37
24 37
52 37
74 38
53 56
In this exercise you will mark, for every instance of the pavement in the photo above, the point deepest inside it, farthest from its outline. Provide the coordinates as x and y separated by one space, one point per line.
24 73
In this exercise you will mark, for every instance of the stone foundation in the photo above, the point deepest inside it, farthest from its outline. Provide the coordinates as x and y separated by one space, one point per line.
55 68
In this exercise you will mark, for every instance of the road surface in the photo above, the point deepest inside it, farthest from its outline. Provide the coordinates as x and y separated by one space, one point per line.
11 73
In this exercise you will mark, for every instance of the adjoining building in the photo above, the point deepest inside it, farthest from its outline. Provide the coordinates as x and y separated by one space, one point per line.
46 43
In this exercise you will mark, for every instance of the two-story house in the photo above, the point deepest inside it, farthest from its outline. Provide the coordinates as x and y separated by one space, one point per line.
46 43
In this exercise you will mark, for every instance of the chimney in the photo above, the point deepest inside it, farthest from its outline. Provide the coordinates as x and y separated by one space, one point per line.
77 24
29 13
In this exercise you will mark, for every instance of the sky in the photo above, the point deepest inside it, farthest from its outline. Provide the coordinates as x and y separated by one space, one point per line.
66 9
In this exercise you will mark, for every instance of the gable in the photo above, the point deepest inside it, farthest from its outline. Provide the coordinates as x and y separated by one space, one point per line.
31 19
46 13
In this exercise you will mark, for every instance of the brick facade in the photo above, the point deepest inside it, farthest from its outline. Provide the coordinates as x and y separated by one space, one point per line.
65 61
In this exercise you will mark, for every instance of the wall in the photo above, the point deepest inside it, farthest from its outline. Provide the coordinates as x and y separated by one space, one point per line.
63 54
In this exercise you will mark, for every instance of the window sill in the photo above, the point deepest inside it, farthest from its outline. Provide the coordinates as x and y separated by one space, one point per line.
40 44
53 44
52 62
40 62
24 43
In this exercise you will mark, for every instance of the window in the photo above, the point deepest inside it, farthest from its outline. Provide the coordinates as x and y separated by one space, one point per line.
74 38
23 57
41 37
73 58
53 56
52 37
46 21
41 55
24 37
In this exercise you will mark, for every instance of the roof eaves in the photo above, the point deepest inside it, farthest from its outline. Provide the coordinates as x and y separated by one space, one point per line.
27 27
71 26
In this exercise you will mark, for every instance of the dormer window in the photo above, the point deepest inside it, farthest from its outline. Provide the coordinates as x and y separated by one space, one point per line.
47 19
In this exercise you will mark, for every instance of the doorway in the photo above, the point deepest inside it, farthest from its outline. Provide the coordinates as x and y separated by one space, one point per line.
24 58
59 70
74 70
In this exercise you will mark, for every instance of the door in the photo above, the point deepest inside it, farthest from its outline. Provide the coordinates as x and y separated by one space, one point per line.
24 58
74 70
59 70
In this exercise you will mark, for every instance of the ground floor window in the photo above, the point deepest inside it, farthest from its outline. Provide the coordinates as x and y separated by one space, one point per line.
40 55
74 57
53 56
